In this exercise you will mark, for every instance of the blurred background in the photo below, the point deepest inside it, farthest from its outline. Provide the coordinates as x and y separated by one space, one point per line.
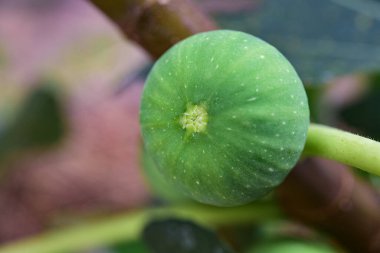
71 80
63 61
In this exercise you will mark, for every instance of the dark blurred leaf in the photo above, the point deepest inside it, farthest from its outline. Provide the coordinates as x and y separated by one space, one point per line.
323 38
314 95
130 247
364 114
181 237
38 123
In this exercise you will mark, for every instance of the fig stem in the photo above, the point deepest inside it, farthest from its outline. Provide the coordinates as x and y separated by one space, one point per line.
344 147
129 226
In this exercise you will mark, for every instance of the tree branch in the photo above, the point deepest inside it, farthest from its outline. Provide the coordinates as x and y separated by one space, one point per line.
326 195
156 24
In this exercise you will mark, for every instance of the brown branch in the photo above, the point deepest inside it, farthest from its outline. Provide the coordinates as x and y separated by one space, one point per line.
156 24
326 195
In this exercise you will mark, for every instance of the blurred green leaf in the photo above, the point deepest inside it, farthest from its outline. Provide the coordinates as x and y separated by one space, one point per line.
180 236
130 247
323 38
2 57
38 123
290 246
286 236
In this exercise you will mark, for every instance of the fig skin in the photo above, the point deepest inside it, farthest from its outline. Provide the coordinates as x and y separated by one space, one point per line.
224 115
160 187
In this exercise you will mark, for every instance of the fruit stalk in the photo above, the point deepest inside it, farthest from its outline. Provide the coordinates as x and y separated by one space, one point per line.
344 147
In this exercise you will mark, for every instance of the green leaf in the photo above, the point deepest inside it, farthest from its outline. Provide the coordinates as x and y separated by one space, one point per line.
322 39
2 58
39 123
180 236
129 247
290 246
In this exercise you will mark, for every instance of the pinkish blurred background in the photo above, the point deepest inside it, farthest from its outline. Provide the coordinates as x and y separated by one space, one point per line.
95 169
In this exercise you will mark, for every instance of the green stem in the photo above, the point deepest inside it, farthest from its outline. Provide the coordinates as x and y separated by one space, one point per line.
129 226
343 147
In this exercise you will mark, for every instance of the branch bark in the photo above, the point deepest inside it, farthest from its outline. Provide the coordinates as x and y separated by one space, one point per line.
156 24
326 195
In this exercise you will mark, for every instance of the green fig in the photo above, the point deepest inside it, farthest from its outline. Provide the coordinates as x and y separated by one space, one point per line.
224 116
